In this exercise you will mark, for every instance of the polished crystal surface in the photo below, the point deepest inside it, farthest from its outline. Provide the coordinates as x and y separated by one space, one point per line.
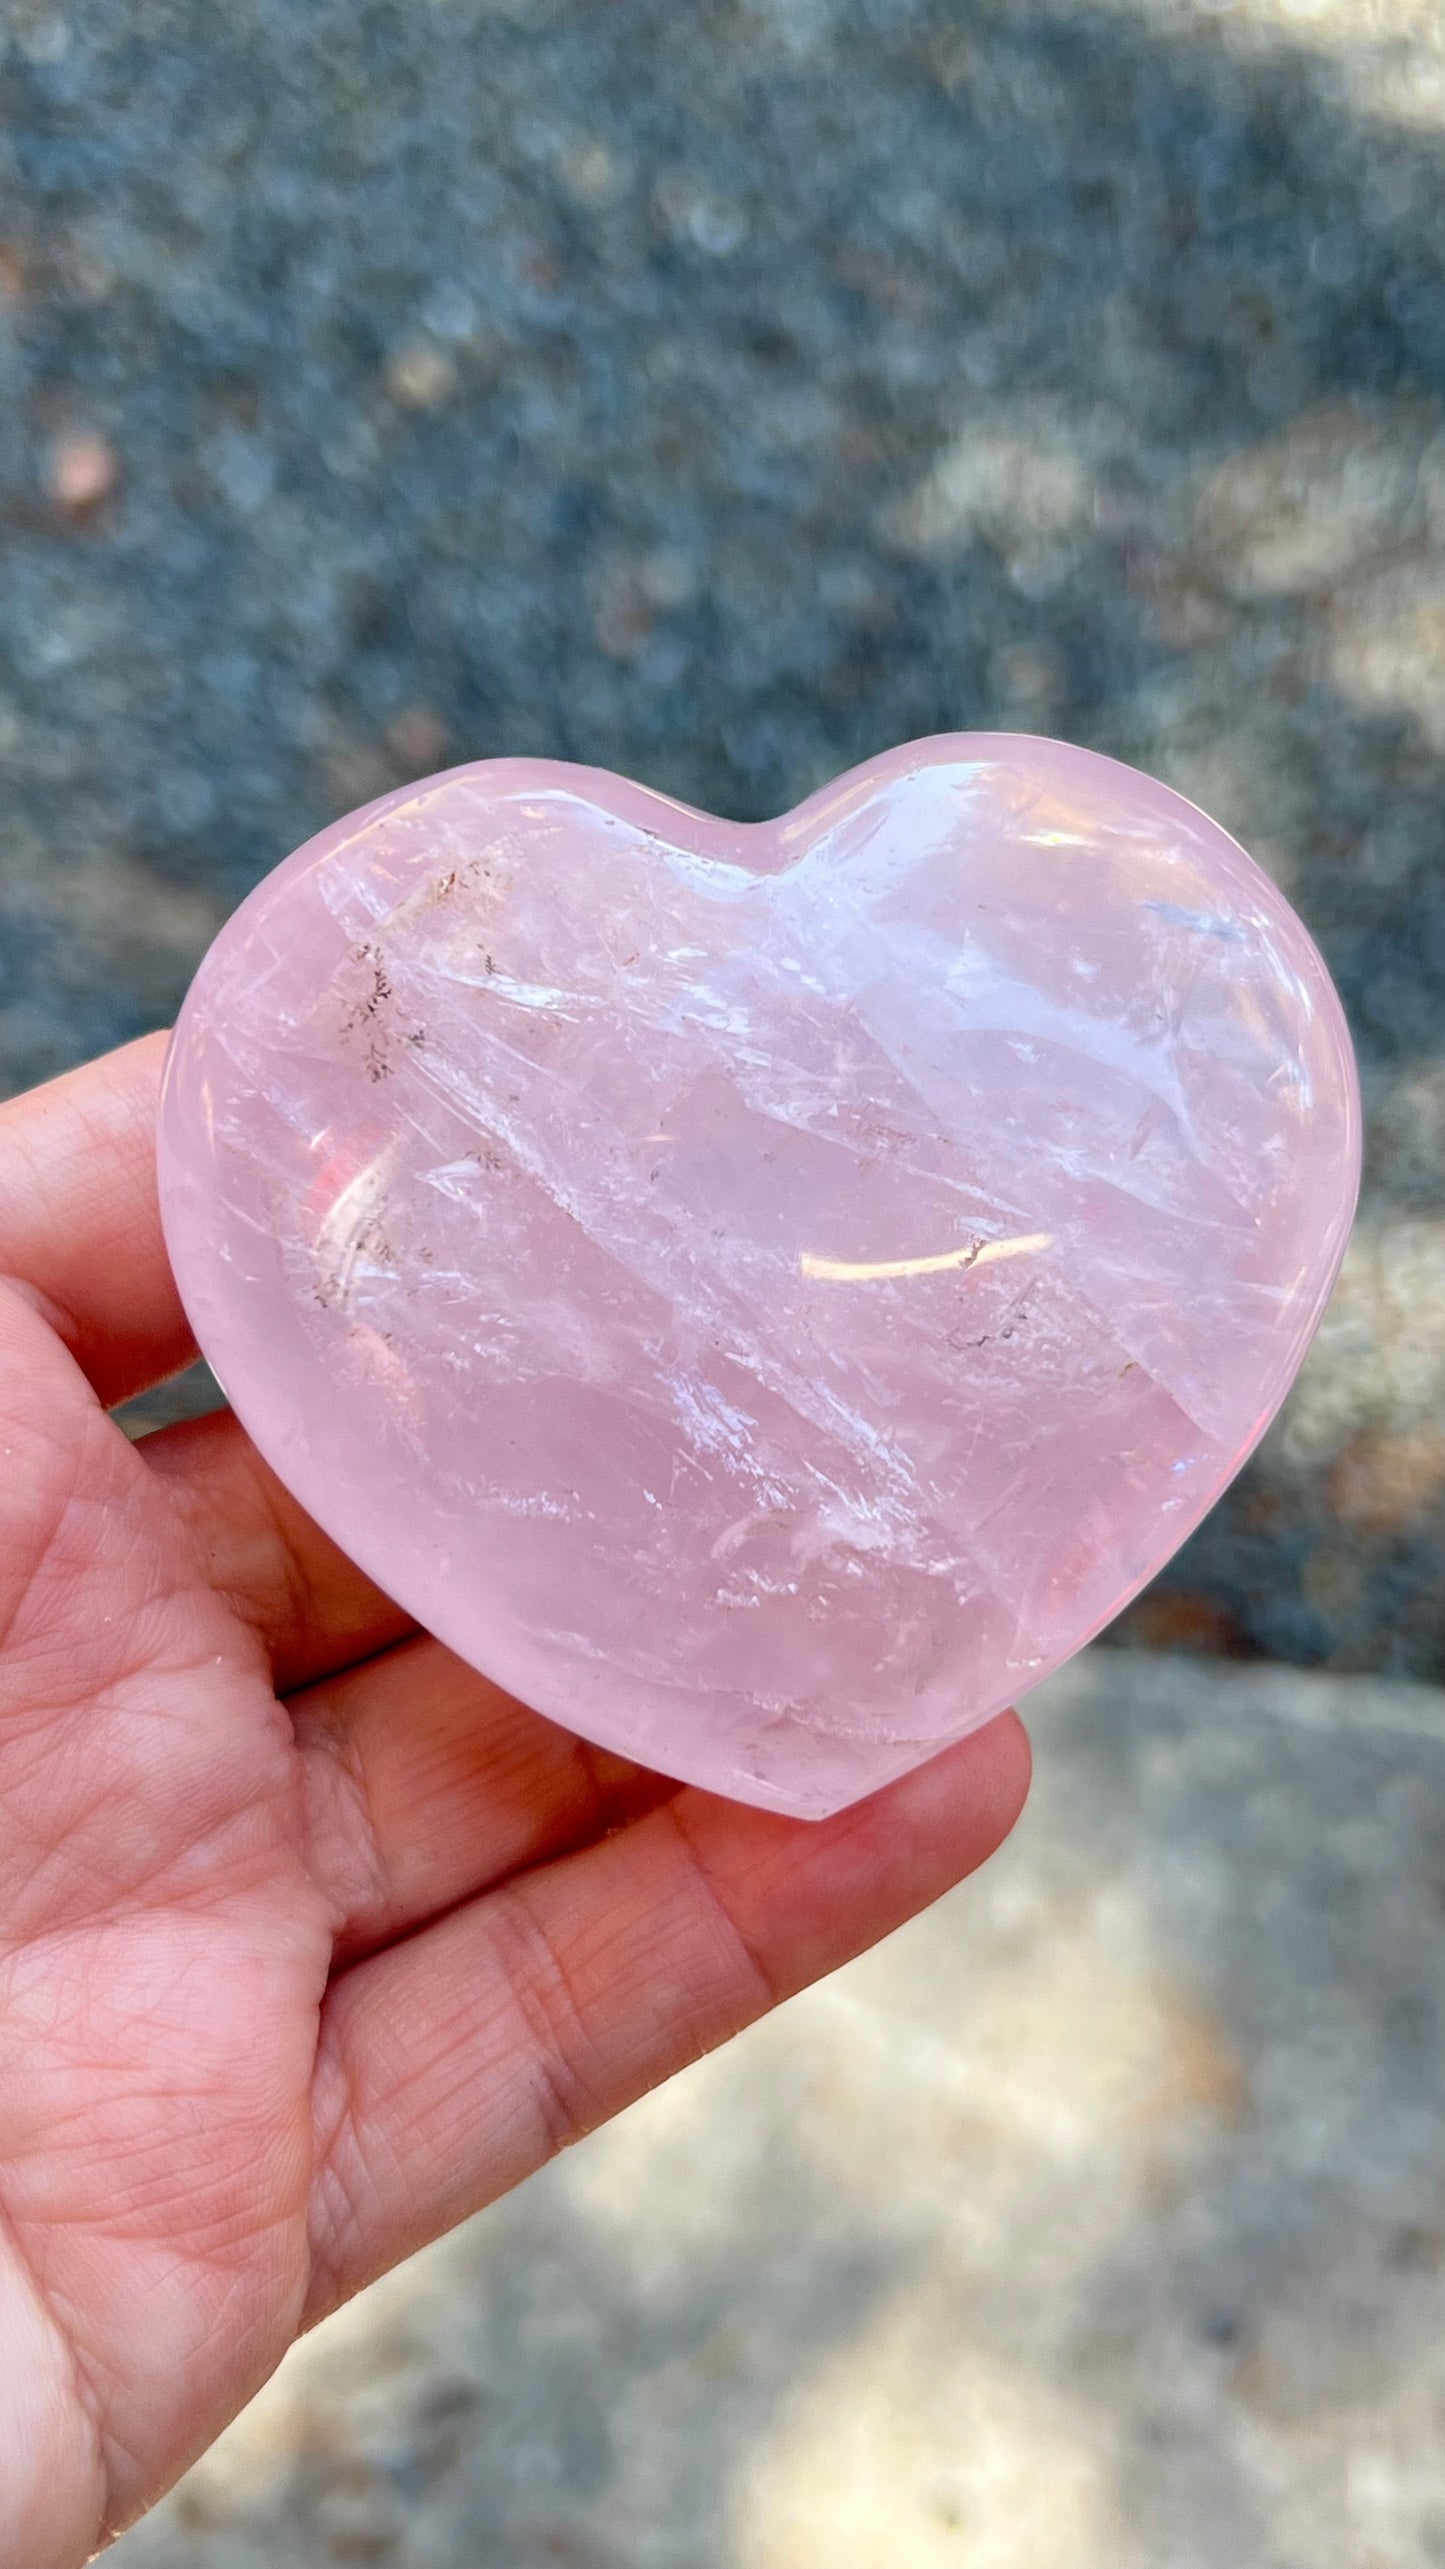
764 1294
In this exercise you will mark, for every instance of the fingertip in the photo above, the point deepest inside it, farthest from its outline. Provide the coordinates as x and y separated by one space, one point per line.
80 1221
995 1767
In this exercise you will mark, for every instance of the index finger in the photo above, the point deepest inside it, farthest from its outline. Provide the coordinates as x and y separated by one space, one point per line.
80 1220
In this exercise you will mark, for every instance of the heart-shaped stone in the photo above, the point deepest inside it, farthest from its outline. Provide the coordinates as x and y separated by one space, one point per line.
764 1294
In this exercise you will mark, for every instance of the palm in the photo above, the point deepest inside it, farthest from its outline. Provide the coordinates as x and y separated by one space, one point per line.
167 1949
288 1982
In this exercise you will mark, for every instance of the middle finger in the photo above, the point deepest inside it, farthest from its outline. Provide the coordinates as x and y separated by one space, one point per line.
425 1784
313 1609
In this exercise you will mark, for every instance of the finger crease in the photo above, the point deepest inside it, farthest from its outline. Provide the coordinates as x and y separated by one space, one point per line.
771 1989
567 2100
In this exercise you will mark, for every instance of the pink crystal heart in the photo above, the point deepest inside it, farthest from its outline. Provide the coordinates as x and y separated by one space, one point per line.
763 1294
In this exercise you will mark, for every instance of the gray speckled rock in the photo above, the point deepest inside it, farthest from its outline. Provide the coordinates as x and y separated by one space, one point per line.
1098 2218
721 396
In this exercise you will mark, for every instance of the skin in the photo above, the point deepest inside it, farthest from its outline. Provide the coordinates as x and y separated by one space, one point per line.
311 1941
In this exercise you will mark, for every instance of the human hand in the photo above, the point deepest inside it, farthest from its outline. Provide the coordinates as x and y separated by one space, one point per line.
311 1941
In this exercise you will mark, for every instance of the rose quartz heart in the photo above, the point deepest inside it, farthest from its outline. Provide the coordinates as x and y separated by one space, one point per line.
766 1294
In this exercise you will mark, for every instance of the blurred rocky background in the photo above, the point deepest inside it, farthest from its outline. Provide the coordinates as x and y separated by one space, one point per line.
722 393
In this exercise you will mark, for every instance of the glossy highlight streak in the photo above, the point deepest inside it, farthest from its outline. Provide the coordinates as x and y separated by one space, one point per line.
879 1270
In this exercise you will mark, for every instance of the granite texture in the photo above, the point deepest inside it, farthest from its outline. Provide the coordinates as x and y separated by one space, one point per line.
1096 2219
720 396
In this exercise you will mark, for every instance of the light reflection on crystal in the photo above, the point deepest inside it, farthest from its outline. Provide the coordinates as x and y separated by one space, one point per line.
980 1253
